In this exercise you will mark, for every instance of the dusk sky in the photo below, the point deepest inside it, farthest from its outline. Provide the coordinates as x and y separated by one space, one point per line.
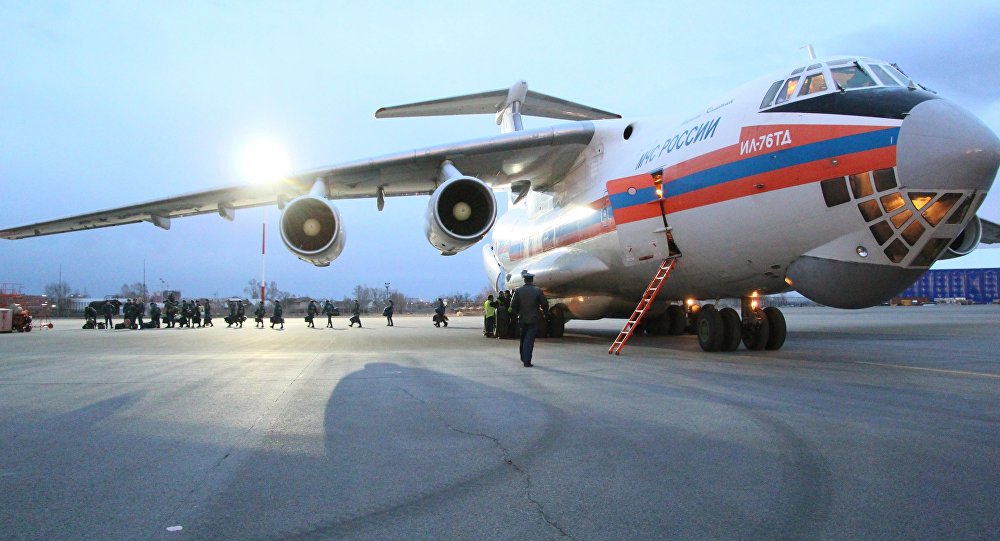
104 104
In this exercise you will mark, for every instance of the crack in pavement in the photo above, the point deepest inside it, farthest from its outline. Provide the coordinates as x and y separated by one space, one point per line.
507 459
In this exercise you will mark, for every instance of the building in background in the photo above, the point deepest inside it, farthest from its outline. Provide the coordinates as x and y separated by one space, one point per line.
966 286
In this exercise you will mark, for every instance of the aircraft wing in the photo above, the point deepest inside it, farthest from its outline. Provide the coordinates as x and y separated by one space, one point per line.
991 232
542 156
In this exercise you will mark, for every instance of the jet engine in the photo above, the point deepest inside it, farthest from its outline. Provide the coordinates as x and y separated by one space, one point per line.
966 241
312 230
460 213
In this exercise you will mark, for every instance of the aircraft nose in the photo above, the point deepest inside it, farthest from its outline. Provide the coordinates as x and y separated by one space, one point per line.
942 146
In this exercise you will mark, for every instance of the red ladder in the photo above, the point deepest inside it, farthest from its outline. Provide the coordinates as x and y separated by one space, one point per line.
640 310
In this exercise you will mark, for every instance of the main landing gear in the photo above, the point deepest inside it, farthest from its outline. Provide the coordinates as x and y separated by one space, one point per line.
723 330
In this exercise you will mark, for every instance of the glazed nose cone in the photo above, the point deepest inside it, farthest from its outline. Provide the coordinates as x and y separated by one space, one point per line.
942 146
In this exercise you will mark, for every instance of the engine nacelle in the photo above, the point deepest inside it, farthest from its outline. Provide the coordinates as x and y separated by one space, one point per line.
966 241
460 213
312 230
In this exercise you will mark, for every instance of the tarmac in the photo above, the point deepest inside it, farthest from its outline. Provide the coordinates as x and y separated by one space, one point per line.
874 424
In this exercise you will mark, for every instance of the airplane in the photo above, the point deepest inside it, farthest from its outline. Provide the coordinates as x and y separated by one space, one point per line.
841 178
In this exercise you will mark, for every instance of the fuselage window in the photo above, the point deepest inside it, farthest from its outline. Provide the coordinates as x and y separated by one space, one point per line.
848 77
813 83
885 179
883 76
788 90
861 185
769 97
835 191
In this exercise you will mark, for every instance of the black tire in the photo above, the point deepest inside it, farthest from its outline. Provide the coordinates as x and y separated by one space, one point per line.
709 329
660 326
732 329
557 322
756 331
677 320
777 332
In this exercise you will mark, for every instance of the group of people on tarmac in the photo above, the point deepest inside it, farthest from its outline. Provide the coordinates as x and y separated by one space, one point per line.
511 314
174 314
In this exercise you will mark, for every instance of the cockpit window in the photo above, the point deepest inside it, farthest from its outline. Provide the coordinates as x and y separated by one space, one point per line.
813 83
788 90
883 76
848 77
769 97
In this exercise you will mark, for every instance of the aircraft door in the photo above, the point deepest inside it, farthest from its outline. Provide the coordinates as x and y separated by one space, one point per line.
639 219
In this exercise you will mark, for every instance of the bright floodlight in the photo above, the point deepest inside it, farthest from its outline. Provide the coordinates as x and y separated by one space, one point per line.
264 160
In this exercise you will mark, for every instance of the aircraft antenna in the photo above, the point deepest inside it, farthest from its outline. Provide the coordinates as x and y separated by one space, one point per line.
809 49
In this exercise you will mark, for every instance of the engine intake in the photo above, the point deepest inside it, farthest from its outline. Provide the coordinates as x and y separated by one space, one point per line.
312 230
460 213
966 241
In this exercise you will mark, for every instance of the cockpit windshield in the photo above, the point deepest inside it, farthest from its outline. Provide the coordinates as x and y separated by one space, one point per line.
841 75
852 76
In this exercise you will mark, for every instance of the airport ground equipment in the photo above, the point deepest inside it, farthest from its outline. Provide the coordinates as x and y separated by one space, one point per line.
640 310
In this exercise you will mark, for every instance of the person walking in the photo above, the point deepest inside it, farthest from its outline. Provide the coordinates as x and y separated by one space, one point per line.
328 311
387 312
276 315
258 315
356 317
311 312
489 316
526 303
241 313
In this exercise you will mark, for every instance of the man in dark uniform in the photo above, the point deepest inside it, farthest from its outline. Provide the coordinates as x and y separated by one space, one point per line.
208 314
328 311
439 316
109 310
258 315
139 309
311 312
154 315
527 301
170 309
276 316
356 314
196 313
90 316
127 313
241 313
387 312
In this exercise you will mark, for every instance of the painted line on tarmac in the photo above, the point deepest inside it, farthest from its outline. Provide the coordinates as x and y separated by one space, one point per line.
939 370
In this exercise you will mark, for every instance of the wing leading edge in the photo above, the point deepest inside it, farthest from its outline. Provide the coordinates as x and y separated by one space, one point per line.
542 156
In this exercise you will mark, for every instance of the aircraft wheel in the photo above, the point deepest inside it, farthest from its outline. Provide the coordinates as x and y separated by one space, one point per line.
557 322
756 331
658 326
776 322
732 329
676 320
710 329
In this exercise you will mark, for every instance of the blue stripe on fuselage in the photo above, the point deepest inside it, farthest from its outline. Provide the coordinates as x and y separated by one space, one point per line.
780 159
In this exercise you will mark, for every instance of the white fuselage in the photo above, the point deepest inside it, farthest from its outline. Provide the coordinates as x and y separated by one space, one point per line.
742 196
